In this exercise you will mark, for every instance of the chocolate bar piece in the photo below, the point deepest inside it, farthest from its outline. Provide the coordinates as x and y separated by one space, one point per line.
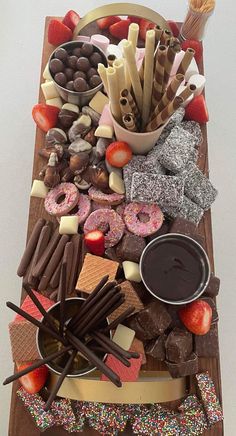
179 345
213 287
183 226
156 348
198 187
130 248
210 301
207 345
173 310
188 210
182 369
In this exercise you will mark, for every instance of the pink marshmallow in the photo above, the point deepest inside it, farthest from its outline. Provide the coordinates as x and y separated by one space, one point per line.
83 38
177 61
106 117
100 41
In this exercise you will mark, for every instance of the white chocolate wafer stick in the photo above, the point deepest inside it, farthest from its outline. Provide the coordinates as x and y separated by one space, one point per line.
120 71
113 91
103 74
133 72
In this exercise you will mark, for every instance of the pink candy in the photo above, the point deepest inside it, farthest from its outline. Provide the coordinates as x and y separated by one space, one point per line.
107 221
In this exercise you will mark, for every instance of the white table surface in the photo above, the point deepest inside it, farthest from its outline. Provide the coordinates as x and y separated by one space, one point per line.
21 32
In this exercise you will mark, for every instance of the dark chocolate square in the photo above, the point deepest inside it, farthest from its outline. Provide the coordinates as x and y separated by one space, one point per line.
179 345
183 369
131 248
207 345
185 227
156 348
154 318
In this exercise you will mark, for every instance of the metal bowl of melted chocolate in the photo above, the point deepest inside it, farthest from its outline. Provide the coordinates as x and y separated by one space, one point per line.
175 268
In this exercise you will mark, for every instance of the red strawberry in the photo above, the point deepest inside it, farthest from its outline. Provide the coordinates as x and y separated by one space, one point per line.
118 154
95 242
71 19
58 33
34 381
197 110
174 28
45 116
197 317
196 45
134 19
106 22
120 29
144 26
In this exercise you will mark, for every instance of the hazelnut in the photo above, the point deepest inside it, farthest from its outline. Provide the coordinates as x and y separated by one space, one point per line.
99 178
90 137
81 183
79 162
67 175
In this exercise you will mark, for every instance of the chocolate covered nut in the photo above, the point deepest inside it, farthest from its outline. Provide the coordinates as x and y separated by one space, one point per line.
95 59
213 287
56 65
87 49
181 225
207 345
79 162
95 81
80 127
70 85
156 348
131 247
72 61
183 369
55 136
76 52
78 146
67 117
80 84
90 137
61 54
91 72
69 72
60 78
83 64
79 74
179 345
95 116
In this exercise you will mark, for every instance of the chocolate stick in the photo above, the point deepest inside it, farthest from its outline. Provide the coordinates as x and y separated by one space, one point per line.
68 258
54 282
119 319
112 309
30 247
59 381
94 359
34 321
109 350
76 241
43 261
115 347
47 316
62 294
37 365
41 246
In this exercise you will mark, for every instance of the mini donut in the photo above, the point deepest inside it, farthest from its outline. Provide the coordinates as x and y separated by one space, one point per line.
97 206
107 221
141 228
67 190
84 208
109 199
120 209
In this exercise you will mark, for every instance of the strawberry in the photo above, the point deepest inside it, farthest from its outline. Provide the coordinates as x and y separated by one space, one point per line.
197 110
174 28
45 116
118 154
134 19
197 317
120 30
34 381
95 242
196 45
58 33
105 23
144 26
71 19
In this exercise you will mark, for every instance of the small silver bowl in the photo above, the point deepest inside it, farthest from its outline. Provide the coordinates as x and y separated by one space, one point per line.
74 97
194 249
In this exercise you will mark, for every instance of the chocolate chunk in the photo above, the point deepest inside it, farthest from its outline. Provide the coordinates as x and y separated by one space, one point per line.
180 225
213 287
76 52
91 72
60 78
182 369
95 81
72 62
67 117
179 345
133 323
70 85
173 310
56 65
110 253
80 84
156 348
131 248
61 54
87 49
83 64
207 345
95 59
79 74
69 72
210 301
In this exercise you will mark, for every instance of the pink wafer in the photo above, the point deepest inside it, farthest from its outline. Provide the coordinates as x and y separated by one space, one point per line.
134 211
100 197
109 222
126 374
70 195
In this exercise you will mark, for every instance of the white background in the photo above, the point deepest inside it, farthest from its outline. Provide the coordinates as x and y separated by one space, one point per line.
21 37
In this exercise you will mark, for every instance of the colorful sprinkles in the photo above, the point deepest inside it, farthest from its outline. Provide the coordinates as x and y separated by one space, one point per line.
209 398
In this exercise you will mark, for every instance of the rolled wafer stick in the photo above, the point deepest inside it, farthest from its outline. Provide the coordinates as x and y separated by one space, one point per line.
133 72
159 75
186 61
113 91
54 282
165 37
129 122
134 109
189 90
120 71
173 49
111 59
103 74
107 348
43 261
158 32
169 94
148 75
40 248
76 241
30 247
164 116
119 319
53 263
125 106
133 35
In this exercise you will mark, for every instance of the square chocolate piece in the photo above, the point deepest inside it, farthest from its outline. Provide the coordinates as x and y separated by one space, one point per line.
154 320
131 248
213 287
182 369
179 345
183 226
207 345
156 348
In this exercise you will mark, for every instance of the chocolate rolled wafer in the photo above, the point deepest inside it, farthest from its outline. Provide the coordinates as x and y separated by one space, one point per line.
129 56
186 61
53 263
164 116
159 75
54 282
148 75
113 91
166 37
126 94
43 261
173 49
30 247
189 90
40 248
125 106
76 241
111 59
169 94
129 122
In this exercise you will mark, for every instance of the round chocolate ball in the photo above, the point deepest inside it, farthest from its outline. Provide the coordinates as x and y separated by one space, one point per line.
91 72
95 59
95 81
79 74
60 78
83 64
70 85
56 66
71 61
69 73
80 85
76 52
86 49
61 54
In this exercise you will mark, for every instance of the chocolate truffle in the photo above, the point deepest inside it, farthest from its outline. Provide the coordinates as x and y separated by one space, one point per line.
80 84
86 49
76 52
131 248
83 64
67 117
61 54
71 61
56 66
183 369
95 59
179 345
79 74
70 85
91 72
95 81
60 78
156 348
69 72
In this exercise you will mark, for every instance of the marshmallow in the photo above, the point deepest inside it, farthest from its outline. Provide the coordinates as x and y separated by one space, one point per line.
178 59
123 336
98 102
106 116
104 131
199 81
116 183
131 271
69 225
192 69
83 38
38 189
100 41
57 102
113 49
49 90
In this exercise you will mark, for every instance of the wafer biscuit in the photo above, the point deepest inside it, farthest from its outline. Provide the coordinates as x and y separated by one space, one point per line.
131 299
94 268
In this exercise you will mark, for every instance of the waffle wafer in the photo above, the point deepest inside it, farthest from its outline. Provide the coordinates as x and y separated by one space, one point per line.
131 299
94 268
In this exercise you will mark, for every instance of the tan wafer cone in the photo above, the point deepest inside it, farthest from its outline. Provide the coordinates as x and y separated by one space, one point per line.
133 72
169 94
120 71
113 91
173 49
165 37
189 90
189 54
125 93
111 59
164 116
159 75
148 75
129 122
103 74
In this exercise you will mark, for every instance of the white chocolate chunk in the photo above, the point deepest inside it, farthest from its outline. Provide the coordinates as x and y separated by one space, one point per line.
49 90
68 225
112 169
192 69
104 131
123 336
85 120
199 81
131 271
98 102
46 73
71 107
57 101
116 183
38 189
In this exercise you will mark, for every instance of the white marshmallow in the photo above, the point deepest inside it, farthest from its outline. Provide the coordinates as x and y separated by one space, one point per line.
177 61
49 90
192 69
199 81
114 50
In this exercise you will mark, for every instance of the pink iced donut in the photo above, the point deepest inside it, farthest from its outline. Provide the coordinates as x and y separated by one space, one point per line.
120 209
107 221
97 206
67 193
100 197
83 208
140 228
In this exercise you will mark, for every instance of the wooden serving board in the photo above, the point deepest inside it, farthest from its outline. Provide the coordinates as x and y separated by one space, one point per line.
21 423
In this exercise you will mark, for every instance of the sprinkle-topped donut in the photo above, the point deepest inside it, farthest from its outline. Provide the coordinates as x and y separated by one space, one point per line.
98 196
84 208
69 196
107 221
141 228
